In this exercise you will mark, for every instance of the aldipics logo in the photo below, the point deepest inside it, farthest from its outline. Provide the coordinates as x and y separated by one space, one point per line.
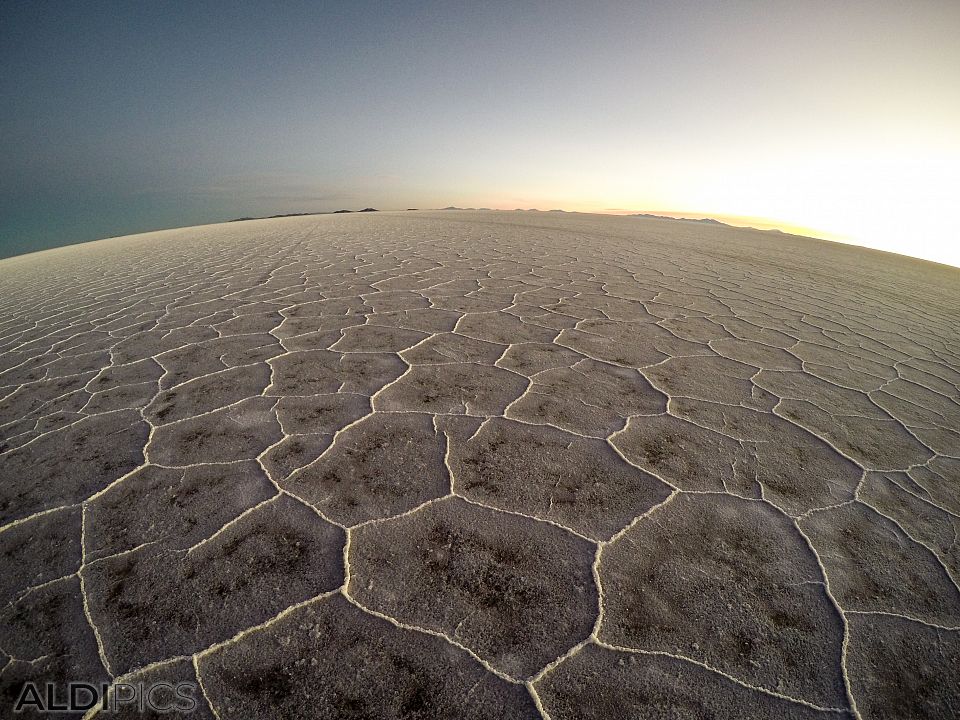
159 697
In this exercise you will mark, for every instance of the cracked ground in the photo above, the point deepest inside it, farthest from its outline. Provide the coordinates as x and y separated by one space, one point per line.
484 465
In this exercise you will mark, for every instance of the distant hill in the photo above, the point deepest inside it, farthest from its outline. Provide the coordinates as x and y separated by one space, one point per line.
707 221
271 217
301 214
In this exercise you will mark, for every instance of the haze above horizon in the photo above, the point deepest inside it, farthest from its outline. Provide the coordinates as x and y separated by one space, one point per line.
838 120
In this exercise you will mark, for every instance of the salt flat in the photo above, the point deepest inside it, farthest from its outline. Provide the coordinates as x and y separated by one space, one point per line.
484 464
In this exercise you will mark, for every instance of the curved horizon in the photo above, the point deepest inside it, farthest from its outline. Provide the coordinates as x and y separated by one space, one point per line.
838 121
756 224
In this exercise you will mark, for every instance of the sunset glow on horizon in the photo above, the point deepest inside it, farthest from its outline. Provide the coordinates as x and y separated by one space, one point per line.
836 120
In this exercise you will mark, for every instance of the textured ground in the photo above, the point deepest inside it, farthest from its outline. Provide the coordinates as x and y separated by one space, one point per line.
471 465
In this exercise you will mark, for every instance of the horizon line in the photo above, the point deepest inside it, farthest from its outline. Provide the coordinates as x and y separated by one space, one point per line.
743 222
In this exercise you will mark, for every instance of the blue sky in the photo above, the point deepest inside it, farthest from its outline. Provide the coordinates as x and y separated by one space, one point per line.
841 118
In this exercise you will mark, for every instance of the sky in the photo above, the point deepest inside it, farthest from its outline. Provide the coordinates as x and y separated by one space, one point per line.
835 119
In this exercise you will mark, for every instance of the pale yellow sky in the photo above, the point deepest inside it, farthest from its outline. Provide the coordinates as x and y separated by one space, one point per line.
839 117
897 200
887 178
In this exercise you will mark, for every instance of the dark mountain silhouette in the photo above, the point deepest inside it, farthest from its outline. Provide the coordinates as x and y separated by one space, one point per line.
708 221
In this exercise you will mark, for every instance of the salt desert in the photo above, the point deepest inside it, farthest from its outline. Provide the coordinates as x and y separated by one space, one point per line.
484 465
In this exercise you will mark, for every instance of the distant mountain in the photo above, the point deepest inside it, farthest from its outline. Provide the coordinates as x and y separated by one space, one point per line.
707 221
273 217
301 214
